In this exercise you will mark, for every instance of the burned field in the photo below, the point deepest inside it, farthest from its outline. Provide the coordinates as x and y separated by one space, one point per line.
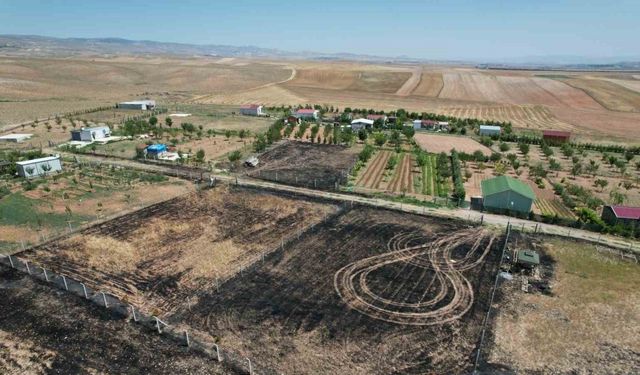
166 254
367 291
306 164
43 331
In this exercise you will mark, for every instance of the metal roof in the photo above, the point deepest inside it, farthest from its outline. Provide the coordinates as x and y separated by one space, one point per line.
16 136
500 184
489 127
362 121
40 160
528 257
306 111
624 212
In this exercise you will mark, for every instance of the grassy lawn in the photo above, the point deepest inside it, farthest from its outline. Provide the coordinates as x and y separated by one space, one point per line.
16 209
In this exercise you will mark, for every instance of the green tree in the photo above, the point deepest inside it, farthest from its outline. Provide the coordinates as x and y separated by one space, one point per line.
153 121
234 156
168 121
524 148
601 183
617 197
380 139
200 156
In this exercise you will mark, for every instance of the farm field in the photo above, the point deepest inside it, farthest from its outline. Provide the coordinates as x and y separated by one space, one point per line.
217 117
589 319
436 143
164 254
78 196
402 180
430 85
553 207
609 94
371 177
43 332
306 164
359 295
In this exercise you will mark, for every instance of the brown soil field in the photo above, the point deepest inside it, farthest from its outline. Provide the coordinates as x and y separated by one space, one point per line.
531 100
358 294
588 322
436 143
215 147
306 164
610 95
631 84
162 255
372 176
402 180
430 85
47 332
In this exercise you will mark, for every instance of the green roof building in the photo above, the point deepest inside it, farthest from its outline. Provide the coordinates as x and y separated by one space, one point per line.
505 193
528 258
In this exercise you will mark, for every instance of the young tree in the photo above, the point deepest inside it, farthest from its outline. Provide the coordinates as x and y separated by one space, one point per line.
601 183
617 197
524 148
200 156
576 169
153 121
227 134
362 135
168 121
504 147
380 139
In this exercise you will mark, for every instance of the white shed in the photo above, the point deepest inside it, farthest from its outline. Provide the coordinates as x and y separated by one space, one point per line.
39 167
15 137
138 104
361 123
489 130
251 110
91 134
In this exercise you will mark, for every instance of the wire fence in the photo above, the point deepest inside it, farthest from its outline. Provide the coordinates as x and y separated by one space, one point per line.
98 296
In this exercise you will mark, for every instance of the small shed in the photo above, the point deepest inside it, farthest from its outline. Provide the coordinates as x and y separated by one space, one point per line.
16 138
91 134
504 193
307 114
527 259
361 123
138 104
251 110
489 130
623 215
156 149
556 136
252 162
39 167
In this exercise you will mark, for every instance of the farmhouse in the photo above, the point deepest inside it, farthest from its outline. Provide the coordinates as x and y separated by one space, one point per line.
556 136
91 134
361 123
623 215
39 167
489 130
505 193
307 113
427 124
252 110
138 104
16 138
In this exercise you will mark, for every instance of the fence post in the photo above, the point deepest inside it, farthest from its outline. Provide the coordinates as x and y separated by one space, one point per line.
186 338
133 312
84 290
64 280
217 285
217 352
250 367
46 277
104 298
26 264
11 261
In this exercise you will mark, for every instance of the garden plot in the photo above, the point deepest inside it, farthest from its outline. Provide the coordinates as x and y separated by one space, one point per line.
162 256
436 143
368 291
306 164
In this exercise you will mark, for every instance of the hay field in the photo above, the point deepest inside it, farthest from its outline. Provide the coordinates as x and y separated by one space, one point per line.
435 143
580 102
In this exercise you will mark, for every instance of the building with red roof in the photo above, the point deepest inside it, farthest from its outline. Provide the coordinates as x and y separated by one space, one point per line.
556 136
377 117
624 215
304 113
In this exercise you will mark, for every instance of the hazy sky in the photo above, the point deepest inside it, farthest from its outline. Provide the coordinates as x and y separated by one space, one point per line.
445 29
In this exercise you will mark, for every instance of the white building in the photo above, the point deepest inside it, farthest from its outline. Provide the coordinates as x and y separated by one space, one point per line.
15 137
307 113
251 110
361 123
489 130
91 134
138 104
39 167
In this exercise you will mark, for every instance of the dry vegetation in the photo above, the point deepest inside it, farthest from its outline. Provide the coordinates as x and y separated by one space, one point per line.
590 323
436 143
162 254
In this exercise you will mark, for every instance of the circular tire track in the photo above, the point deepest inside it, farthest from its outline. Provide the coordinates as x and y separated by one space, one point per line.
454 293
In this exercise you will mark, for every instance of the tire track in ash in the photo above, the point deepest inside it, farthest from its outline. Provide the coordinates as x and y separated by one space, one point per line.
454 295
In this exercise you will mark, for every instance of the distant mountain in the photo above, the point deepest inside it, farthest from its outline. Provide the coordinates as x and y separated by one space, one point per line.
34 45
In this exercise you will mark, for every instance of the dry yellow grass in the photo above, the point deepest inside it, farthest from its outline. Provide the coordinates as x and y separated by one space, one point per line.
592 321
102 252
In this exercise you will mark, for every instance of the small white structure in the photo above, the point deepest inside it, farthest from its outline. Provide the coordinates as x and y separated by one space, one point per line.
16 138
489 130
361 123
417 124
252 162
138 104
307 113
91 134
169 156
251 110
39 167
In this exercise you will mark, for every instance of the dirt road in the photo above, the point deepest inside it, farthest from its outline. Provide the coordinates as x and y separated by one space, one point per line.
463 214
